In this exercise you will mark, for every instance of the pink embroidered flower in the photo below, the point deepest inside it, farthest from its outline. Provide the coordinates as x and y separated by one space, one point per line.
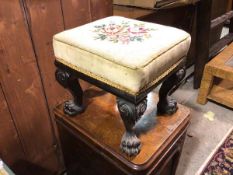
125 39
112 29
123 33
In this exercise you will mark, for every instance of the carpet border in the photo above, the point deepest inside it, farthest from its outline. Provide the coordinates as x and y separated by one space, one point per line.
206 162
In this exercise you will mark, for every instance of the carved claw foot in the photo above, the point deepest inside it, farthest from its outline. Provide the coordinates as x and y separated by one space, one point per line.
169 107
166 105
130 114
68 81
130 144
71 108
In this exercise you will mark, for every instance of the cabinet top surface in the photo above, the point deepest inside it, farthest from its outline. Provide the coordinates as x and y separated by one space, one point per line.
101 126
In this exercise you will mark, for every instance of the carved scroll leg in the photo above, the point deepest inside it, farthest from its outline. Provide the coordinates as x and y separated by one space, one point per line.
166 105
130 114
75 106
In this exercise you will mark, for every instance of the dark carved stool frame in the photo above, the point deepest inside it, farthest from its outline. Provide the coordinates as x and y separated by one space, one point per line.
131 107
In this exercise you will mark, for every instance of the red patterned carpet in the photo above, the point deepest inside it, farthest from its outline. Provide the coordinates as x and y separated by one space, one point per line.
221 160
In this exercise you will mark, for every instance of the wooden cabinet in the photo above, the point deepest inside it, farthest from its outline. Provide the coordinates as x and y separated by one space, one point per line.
28 90
211 17
90 141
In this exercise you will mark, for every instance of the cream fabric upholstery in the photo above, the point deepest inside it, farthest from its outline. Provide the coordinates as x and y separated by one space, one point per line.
127 54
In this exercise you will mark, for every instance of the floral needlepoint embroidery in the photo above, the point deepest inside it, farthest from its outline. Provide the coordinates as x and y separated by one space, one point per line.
122 33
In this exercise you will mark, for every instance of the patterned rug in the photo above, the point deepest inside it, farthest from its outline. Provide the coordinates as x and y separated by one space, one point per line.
220 161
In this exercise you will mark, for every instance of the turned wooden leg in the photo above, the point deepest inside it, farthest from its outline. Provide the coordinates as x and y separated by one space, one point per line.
75 106
206 84
166 105
130 114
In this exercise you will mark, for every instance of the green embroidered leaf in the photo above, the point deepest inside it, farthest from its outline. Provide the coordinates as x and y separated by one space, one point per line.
102 37
139 39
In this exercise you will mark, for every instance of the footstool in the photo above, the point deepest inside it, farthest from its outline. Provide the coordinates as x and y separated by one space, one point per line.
127 58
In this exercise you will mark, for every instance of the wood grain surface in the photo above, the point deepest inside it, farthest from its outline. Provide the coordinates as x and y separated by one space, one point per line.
45 20
222 92
10 146
27 76
76 13
217 81
22 85
101 8
100 125
131 12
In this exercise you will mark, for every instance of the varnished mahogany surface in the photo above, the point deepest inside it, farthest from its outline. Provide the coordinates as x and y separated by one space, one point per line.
101 127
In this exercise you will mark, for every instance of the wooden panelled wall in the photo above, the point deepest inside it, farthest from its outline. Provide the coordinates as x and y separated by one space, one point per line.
28 90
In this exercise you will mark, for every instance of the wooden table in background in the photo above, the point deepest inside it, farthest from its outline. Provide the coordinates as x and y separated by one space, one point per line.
217 81
131 12
90 141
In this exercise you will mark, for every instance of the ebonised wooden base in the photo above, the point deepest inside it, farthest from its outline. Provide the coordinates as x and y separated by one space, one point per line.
131 107
90 141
